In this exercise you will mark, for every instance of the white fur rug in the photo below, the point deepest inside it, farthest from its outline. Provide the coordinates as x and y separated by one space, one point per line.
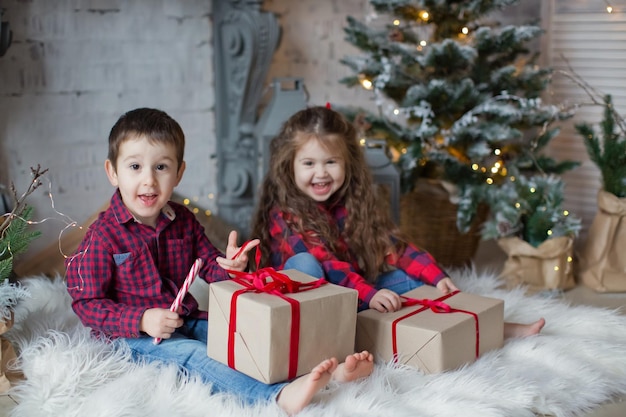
578 362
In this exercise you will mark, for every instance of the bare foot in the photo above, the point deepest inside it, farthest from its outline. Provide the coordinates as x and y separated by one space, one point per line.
298 394
523 330
357 365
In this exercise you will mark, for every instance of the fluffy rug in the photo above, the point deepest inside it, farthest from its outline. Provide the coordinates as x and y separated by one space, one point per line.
575 364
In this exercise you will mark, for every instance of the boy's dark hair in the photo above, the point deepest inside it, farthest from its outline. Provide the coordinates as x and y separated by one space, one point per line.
154 124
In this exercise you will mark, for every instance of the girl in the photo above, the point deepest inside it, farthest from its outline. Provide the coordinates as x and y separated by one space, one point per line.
318 213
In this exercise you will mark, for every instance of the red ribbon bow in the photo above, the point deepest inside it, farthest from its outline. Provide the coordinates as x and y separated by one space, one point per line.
437 306
281 284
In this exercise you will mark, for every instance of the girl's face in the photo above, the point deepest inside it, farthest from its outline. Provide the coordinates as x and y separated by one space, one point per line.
146 175
318 171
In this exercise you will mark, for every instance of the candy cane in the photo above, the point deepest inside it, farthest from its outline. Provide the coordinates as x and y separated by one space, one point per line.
193 272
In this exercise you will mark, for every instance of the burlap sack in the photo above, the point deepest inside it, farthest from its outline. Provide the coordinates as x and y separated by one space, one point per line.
602 260
547 267
7 354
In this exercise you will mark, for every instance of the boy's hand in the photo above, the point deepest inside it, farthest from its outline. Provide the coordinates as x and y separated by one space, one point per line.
160 322
386 301
446 286
236 257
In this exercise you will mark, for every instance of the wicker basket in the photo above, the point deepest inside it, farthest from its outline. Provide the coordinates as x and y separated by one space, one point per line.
428 219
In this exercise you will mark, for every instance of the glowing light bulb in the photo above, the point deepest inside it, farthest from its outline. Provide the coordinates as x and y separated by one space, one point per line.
556 268
367 84
609 9
423 43
549 232
475 167
424 15
186 201
533 189
565 213
497 151
362 141
396 22
465 30
489 181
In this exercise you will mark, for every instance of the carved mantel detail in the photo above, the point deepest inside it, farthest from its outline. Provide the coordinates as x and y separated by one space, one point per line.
244 38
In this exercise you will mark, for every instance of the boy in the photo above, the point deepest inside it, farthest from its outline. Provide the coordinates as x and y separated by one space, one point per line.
134 258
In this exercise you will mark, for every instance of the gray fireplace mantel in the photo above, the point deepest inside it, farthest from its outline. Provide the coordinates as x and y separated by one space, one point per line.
245 39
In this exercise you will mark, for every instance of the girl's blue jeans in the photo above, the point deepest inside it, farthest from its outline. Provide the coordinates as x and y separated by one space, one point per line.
187 348
397 280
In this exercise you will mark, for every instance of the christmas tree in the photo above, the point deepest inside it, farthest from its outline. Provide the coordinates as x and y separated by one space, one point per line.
14 239
458 97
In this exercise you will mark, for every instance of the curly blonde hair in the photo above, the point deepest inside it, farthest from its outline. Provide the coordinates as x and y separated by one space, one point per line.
368 227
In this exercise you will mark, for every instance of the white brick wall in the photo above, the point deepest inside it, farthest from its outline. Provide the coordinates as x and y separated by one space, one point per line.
76 65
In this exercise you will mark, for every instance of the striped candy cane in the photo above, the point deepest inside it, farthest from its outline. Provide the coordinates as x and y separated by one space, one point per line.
191 276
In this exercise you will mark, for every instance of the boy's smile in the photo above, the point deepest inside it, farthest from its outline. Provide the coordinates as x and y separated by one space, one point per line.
146 173
318 172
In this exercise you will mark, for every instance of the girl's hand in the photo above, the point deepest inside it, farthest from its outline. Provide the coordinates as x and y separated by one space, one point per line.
236 257
446 286
386 301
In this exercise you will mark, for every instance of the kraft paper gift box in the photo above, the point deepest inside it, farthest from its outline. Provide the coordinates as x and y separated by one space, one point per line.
433 342
263 335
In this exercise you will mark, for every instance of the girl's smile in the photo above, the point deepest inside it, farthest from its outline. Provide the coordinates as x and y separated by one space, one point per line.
318 171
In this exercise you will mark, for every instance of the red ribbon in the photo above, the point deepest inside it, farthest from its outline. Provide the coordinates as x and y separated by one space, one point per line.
280 285
437 306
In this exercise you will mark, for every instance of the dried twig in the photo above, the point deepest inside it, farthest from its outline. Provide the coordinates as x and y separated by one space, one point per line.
20 200
596 97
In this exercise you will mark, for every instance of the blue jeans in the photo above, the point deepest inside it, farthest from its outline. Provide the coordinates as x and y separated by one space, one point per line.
187 348
397 280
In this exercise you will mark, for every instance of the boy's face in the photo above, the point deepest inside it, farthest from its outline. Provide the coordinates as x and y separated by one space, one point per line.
146 175
318 172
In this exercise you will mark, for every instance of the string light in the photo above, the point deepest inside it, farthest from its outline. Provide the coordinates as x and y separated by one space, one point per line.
367 84
396 22
464 30
424 15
